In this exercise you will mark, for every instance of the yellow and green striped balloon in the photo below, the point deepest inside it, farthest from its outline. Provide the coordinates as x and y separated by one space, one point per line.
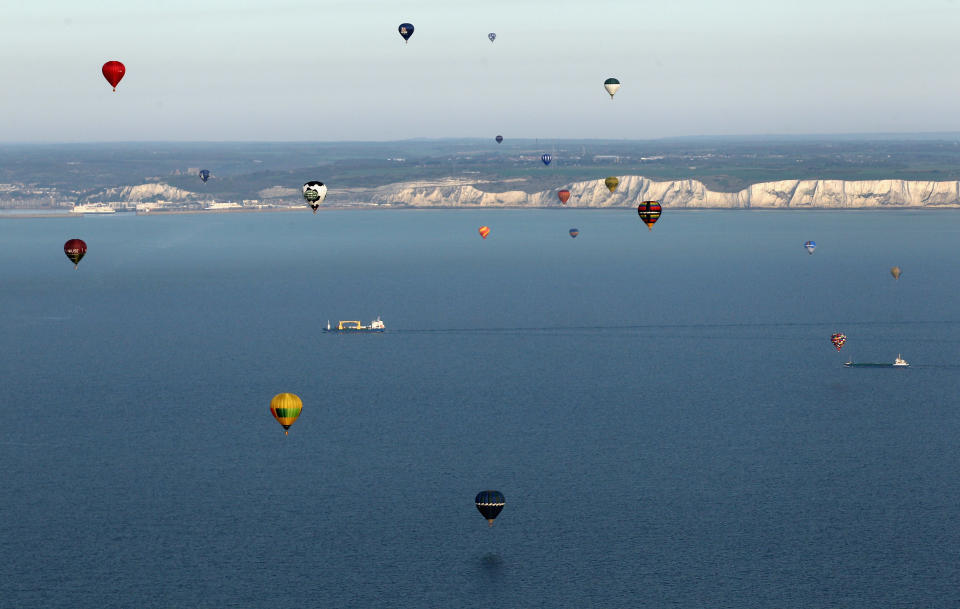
285 408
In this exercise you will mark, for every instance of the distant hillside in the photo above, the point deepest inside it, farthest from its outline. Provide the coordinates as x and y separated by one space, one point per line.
792 194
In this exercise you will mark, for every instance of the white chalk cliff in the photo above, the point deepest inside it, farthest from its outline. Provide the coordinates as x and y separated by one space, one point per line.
785 194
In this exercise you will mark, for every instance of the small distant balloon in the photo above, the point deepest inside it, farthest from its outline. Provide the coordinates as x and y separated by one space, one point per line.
113 71
484 231
649 212
406 30
75 249
612 85
492 36
285 408
490 504
204 175
895 271
499 139
838 340
611 183
563 195
574 232
810 245
546 158
314 193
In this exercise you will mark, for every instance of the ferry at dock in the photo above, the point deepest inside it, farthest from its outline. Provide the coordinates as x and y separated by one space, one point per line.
93 208
355 326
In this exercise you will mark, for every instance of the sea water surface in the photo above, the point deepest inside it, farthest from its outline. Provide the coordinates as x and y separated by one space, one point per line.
662 409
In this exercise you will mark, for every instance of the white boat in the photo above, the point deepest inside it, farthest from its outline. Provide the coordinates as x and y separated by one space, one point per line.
93 208
355 326
900 362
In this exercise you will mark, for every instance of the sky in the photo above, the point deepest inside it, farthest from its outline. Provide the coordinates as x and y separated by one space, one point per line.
331 70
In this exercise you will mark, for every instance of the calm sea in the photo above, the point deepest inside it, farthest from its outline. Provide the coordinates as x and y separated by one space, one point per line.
663 411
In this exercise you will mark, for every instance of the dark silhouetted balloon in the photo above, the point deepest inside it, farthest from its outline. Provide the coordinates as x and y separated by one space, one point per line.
490 504
546 158
499 139
406 30
574 232
492 36
75 249
204 175
113 71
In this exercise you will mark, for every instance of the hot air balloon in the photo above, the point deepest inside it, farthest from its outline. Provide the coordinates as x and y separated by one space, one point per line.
499 139
810 245
406 30
314 193
611 183
574 232
490 504
113 71
484 231
546 158
285 408
204 175
563 195
492 36
895 271
838 340
611 85
649 212
75 250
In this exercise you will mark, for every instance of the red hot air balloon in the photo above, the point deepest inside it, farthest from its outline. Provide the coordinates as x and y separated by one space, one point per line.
649 212
113 71
564 196
75 250
484 231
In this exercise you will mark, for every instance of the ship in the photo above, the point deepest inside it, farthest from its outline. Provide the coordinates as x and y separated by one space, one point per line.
355 326
899 362
93 208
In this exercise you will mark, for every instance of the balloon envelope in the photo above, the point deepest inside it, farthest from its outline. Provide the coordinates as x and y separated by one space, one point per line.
612 85
574 232
314 193
75 249
492 36
649 212
490 504
546 158
499 139
895 271
838 340
113 71
484 231
564 196
810 245
285 408
406 30
611 183
204 174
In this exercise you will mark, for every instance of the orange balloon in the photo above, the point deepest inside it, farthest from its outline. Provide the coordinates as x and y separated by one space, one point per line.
564 196
484 231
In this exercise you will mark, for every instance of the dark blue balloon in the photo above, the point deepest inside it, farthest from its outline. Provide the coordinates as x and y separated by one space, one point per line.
546 159
204 174
490 503
406 30
499 139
